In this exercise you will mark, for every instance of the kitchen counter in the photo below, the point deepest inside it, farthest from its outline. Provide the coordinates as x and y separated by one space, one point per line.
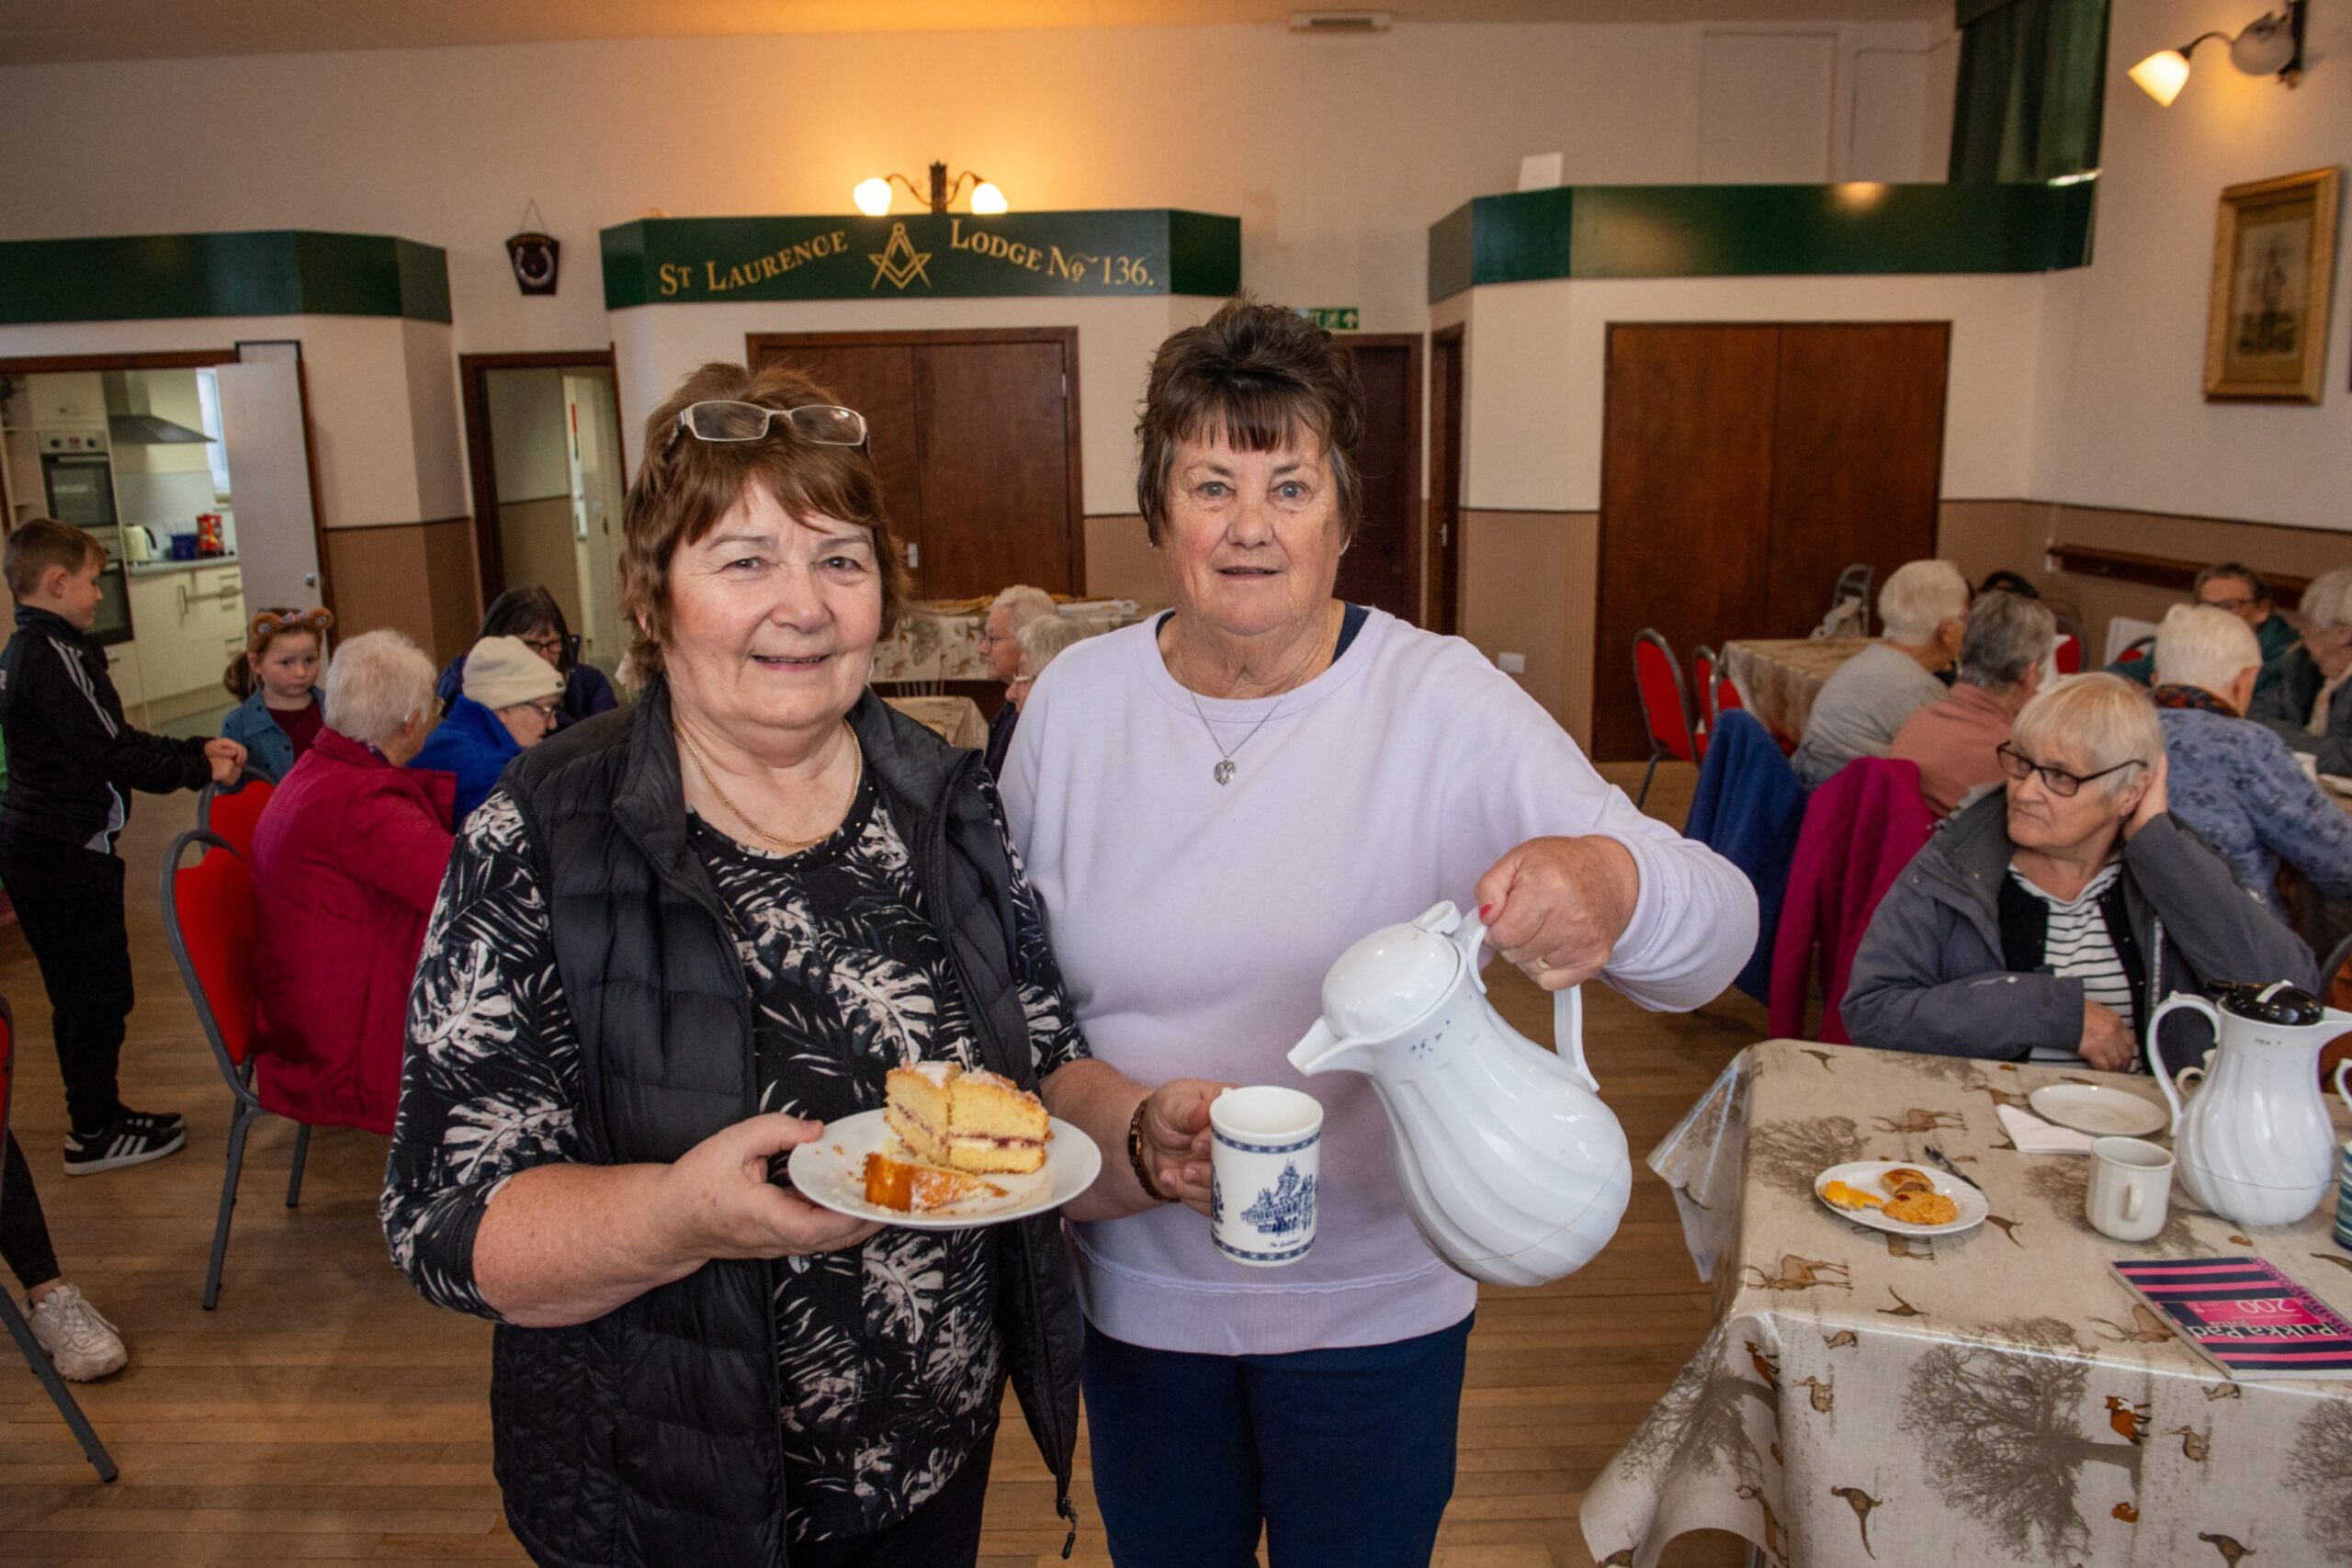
158 567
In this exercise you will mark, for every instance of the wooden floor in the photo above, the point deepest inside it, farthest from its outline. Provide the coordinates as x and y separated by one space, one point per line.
323 1413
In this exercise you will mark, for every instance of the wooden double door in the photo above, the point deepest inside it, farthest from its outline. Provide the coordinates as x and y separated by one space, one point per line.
1743 468
975 435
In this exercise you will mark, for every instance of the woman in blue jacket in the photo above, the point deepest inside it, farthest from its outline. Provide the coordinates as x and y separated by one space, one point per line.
278 677
530 612
507 704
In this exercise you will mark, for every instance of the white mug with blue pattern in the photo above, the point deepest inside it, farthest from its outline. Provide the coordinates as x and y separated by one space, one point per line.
1263 1164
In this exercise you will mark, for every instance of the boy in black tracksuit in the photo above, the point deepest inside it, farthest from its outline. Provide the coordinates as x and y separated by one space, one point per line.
72 759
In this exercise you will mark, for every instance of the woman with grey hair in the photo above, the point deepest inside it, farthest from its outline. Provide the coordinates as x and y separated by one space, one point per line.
347 859
1866 699
2045 922
1011 613
2309 707
1042 641
2235 784
2002 656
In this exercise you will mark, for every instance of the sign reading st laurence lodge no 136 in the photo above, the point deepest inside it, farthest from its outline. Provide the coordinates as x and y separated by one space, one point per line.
659 261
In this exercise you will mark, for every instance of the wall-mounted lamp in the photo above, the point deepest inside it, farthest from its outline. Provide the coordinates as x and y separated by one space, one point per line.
2270 46
873 196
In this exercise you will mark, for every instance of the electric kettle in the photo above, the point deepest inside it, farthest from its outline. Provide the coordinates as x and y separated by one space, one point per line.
2253 1142
1513 1170
138 543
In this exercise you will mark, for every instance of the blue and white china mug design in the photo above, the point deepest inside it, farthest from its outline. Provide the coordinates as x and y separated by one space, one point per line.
1263 1165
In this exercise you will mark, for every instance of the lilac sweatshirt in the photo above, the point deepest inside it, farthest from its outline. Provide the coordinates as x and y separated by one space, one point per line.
1195 922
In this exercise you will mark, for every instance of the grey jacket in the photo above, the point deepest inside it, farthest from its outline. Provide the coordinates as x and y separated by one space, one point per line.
2285 708
1929 976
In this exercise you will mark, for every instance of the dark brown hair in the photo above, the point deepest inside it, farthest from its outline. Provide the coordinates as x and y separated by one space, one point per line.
526 608
38 543
1258 376
265 627
2257 588
684 485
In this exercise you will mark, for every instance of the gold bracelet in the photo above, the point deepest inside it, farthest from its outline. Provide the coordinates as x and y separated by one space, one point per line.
1134 1154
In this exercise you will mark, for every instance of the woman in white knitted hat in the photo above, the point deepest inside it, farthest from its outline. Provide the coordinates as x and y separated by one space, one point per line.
508 705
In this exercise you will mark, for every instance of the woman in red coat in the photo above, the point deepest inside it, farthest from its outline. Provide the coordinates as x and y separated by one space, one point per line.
347 861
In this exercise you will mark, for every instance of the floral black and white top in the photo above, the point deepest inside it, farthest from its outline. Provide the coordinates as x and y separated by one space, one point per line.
890 1359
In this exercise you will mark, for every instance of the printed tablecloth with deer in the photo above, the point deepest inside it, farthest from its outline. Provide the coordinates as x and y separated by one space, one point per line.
1994 1397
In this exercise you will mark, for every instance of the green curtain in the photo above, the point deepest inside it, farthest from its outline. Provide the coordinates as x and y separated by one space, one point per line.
2033 79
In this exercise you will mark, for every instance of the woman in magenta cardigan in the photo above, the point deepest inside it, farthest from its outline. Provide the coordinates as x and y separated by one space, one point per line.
348 857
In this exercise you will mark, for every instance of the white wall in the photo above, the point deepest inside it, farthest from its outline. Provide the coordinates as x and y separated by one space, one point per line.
1536 370
2124 421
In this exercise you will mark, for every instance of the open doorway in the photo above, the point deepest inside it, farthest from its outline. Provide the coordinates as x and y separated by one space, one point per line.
543 445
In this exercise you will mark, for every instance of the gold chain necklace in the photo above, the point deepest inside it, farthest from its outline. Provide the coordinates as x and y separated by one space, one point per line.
789 846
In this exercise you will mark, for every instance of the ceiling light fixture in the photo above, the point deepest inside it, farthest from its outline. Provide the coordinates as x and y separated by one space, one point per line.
2268 46
873 196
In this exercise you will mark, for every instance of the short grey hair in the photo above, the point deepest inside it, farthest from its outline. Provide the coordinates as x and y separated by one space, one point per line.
2092 722
377 680
1042 640
2327 602
2008 635
2201 646
1920 596
1022 604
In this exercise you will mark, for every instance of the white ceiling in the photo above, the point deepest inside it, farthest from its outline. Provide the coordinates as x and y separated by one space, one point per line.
35 31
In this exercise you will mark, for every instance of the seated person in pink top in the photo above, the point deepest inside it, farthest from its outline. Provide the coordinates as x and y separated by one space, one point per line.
2002 656
347 860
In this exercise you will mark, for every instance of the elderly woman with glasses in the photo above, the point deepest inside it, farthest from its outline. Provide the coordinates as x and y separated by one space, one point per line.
2047 921
680 940
508 705
529 612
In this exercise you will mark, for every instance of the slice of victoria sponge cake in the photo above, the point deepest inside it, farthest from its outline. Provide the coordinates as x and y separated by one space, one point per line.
964 1121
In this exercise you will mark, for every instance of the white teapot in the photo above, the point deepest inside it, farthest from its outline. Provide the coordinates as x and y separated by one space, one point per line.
1513 1169
2254 1143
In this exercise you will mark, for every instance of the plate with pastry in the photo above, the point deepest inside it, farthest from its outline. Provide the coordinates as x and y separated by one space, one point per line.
1900 1198
949 1150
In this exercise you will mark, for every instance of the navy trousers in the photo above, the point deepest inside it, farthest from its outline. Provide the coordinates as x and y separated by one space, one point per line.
1345 1457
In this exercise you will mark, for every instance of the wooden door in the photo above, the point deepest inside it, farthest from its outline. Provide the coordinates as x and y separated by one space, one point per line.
1442 613
1382 568
1857 454
975 436
1686 485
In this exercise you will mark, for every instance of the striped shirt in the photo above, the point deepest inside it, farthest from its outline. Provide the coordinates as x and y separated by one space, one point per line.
2077 947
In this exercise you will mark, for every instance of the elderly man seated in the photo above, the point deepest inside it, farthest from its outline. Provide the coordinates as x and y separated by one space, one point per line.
2311 708
1862 704
2044 921
1012 611
1953 739
348 857
2240 590
2235 784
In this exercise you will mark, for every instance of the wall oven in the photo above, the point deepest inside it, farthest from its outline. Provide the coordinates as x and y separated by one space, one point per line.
76 473
113 623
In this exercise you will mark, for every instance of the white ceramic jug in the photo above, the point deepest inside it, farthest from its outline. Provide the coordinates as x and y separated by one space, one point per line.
2254 1143
1514 1170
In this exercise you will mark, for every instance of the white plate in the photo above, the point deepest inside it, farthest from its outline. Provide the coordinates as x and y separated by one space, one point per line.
1865 1174
831 1172
2337 782
2098 1109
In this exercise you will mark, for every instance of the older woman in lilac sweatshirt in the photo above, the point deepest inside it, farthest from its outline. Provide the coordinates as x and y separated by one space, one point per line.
1213 805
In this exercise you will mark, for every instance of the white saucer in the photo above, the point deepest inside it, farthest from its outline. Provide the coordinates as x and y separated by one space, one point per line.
830 1173
2096 1109
1865 1174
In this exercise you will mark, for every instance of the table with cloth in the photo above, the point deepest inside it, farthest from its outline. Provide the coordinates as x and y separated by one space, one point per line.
955 720
937 640
1994 1397
1779 677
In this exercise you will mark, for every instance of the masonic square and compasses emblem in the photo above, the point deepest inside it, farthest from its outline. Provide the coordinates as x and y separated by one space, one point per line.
900 261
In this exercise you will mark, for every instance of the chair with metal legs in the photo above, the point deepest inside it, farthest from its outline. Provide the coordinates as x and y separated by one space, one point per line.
21 1331
209 914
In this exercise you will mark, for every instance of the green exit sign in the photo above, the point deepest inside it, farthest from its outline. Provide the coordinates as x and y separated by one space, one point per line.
1334 318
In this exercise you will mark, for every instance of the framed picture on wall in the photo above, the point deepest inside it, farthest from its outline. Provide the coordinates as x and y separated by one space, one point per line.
2274 264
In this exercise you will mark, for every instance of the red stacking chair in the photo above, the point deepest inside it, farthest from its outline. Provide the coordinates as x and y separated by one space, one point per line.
1665 704
2068 654
209 914
21 1331
232 816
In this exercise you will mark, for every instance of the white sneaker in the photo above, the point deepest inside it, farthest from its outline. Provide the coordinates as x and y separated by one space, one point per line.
82 1344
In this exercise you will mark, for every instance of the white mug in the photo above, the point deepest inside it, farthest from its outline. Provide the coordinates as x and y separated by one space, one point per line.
1264 1150
2131 1188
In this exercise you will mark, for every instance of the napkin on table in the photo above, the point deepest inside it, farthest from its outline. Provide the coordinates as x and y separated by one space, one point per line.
2032 1135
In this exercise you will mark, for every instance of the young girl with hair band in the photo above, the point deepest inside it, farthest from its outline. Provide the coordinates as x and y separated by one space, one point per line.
278 676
